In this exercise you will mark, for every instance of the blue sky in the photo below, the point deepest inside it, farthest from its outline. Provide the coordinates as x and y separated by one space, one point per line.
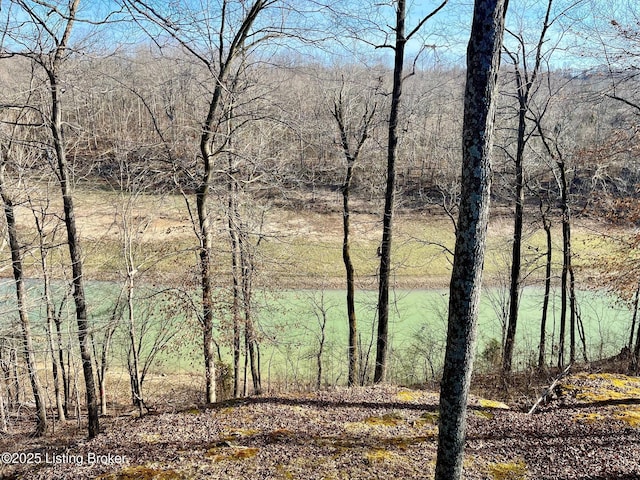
577 37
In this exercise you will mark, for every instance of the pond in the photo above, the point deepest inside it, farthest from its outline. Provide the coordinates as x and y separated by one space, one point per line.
292 325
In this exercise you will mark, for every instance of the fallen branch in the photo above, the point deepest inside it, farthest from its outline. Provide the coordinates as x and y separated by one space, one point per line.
550 389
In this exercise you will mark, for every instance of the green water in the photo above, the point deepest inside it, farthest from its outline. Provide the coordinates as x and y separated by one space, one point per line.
291 323
289 326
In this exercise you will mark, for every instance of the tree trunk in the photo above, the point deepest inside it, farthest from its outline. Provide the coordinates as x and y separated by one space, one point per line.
351 156
4 424
134 367
525 81
243 270
73 240
64 370
56 370
576 320
21 296
247 301
53 339
483 60
635 362
634 318
634 349
322 320
104 354
205 234
237 290
546 223
566 261
207 289
353 356
380 372
516 256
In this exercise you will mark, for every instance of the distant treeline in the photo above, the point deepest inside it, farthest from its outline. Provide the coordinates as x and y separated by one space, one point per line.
138 117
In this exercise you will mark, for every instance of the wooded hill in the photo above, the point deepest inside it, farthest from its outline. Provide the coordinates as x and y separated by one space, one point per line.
132 122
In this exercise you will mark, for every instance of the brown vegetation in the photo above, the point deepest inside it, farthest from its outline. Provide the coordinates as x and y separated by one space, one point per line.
589 429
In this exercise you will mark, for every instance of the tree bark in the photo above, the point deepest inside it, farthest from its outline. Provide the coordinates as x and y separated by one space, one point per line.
483 60
73 240
247 264
236 273
634 318
204 224
635 362
205 237
64 370
566 262
353 356
134 366
546 223
21 296
380 371
516 254
55 345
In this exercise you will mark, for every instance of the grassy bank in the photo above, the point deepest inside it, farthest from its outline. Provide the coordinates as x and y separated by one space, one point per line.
296 248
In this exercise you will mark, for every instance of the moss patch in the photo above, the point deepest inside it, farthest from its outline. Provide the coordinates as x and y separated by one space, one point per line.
601 387
483 414
408 395
376 455
630 416
589 417
150 437
484 403
142 472
221 454
387 420
620 390
507 470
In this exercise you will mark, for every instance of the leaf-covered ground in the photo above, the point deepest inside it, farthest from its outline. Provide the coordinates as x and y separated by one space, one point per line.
589 429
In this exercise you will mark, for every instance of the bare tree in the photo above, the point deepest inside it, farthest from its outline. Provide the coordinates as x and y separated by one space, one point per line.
219 41
102 357
46 238
44 37
545 208
244 266
526 77
348 137
243 261
21 293
568 299
401 38
483 60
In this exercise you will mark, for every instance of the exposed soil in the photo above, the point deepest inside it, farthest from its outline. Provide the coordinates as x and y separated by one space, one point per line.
589 428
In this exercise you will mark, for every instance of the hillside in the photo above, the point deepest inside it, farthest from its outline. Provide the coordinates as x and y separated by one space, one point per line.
294 247
590 429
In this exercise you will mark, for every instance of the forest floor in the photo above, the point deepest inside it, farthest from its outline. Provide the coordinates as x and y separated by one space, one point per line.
589 428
